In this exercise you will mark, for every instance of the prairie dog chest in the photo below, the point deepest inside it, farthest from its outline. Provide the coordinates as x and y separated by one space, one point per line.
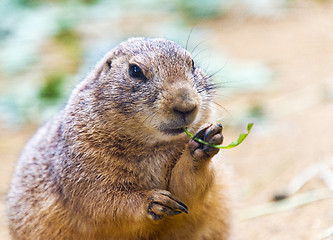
154 170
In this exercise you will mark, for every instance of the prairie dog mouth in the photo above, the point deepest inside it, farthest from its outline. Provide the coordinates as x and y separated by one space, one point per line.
172 131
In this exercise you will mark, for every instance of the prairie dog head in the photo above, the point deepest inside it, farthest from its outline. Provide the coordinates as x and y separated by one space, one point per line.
153 88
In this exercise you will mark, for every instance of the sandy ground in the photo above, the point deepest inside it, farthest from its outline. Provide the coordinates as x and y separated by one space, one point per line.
299 113
295 133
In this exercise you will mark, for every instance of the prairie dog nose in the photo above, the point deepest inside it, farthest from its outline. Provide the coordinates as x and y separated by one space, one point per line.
185 107
185 104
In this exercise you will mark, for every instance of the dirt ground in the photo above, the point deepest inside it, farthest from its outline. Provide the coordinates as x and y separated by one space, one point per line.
299 109
295 135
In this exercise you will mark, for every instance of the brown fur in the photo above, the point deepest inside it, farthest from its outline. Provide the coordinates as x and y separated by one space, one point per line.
113 163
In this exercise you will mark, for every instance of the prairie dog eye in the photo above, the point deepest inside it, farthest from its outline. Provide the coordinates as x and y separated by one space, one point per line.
136 72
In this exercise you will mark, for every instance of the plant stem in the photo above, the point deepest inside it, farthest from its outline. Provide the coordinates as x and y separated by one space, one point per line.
240 139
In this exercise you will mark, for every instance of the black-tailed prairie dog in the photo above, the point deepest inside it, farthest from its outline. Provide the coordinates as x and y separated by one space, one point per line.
115 163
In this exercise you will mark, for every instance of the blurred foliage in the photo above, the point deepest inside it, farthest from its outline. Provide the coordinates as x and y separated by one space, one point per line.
69 40
52 89
47 45
35 3
257 111
198 9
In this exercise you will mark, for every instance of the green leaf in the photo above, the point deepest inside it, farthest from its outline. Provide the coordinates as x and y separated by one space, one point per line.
240 139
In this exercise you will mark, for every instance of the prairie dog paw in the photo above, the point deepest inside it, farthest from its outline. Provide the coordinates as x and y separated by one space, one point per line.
161 203
211 133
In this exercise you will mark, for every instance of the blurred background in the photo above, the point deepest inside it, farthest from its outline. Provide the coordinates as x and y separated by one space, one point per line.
273 61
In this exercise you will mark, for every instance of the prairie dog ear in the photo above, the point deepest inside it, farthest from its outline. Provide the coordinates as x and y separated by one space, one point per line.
101 69
106 66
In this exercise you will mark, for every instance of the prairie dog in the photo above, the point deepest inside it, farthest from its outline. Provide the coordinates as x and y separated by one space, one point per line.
115 163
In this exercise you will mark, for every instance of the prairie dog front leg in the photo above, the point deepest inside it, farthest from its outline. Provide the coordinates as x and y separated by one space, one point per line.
192 176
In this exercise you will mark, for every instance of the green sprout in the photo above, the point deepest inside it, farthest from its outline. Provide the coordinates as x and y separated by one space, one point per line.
240 139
